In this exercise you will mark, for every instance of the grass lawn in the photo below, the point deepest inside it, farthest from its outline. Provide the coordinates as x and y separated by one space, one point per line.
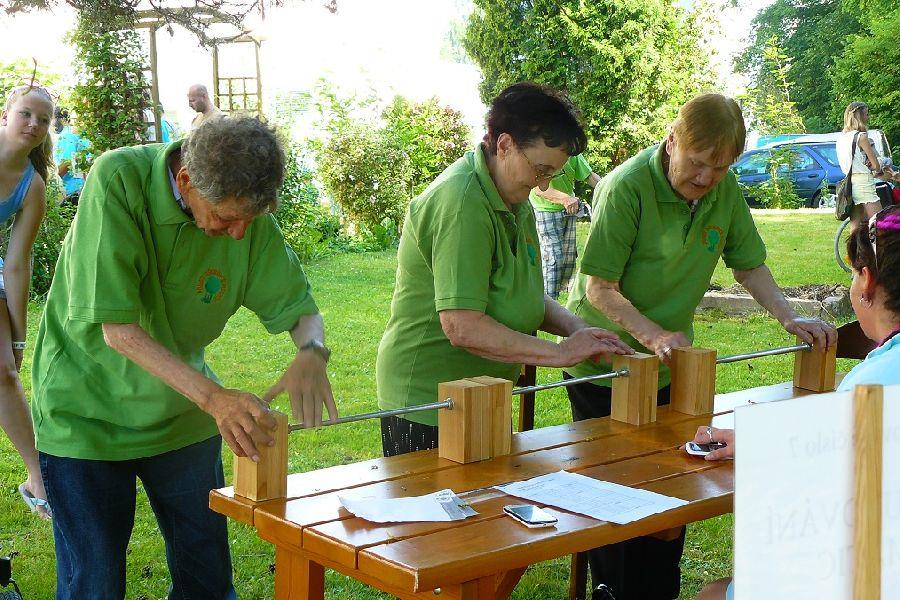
354 292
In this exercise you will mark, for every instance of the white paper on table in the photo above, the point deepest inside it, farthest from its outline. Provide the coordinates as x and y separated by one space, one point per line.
598 499
439 506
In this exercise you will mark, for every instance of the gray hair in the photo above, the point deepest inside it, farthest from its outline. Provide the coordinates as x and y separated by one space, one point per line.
235 157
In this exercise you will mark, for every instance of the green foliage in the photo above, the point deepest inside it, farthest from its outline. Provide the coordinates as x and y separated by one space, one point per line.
627 64
868 72
308 227
109 97
19 72
48 243
373 163
778 191
366 174
768 99
812 34
433 136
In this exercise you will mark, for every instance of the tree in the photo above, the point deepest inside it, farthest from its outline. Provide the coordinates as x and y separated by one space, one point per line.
867 73
812 34
768 99
627 64
109 97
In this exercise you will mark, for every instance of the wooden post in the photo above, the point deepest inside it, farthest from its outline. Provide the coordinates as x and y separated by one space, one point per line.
814 370
634 396
266 479
501 413
693 380
465 431
868 401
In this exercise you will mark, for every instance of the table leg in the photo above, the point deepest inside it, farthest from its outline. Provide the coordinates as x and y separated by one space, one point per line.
297 578
507 582
578 576
480 589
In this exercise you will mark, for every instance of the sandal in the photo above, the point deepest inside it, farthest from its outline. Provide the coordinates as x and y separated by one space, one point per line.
35 504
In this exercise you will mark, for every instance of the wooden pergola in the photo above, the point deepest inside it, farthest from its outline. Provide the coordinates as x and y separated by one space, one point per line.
242 93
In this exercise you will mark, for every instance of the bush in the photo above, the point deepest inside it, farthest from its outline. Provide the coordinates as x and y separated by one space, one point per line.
372 167
308 227
778 191
49 239
367 175
433 136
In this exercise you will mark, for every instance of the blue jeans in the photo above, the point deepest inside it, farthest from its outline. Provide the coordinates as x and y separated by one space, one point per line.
93 514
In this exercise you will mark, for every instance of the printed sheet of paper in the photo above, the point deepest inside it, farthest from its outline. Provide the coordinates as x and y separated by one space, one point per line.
439 506
598 499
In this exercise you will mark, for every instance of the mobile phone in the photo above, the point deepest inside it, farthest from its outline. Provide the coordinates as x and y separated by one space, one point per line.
702 449
530 516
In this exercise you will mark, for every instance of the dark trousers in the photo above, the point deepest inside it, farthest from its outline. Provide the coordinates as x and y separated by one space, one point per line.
93 514
644 568
399 436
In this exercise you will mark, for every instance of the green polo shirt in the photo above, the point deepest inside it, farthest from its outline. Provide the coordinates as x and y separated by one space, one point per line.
133 256
644 237
575 169
461 248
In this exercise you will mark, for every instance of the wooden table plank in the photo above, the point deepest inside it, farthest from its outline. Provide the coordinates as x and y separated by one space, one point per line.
499 544
462 478
343 539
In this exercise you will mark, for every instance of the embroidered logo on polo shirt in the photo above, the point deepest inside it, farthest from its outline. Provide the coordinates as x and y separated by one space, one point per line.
212 286
712 238
531 249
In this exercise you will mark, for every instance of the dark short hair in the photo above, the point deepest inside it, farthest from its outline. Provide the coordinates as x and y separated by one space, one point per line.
235 157
886 269
529 112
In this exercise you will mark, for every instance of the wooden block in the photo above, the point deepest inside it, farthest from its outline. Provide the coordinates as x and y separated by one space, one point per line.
266 479
634 396
464 433
814 370
501 419
693 380
868 409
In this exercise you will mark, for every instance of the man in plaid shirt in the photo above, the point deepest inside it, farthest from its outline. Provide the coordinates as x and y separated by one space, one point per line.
555 211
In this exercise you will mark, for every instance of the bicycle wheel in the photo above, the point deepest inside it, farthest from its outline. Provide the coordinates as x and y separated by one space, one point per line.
840 245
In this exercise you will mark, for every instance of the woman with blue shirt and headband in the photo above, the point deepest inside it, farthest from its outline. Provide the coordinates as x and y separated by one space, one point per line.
874 253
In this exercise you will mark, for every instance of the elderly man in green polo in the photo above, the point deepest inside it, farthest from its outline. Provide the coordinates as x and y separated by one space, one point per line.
661 222
169 242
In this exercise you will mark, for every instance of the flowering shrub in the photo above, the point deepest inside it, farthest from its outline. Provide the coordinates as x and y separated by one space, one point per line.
373 167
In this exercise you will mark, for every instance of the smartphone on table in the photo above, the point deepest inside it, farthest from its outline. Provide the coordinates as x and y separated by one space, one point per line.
530 516
702 449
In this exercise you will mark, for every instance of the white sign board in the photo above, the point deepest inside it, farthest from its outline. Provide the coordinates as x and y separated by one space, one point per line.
793 501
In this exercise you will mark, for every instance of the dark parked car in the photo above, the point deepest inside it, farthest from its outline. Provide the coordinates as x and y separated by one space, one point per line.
812 164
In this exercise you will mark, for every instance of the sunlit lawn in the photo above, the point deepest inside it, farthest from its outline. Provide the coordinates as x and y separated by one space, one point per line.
354 293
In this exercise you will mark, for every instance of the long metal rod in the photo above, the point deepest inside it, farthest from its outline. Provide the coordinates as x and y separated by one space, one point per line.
774 351
567 382
448 404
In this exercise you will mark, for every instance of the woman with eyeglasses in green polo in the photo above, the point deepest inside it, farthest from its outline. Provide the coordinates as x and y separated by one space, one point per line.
469 287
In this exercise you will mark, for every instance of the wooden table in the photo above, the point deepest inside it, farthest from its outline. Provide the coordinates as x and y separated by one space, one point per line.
484 556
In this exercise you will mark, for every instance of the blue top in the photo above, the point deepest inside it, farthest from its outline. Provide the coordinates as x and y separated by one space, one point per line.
881 366
67 144
13 203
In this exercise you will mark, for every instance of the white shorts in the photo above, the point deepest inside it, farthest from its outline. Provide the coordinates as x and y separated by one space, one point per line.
864 188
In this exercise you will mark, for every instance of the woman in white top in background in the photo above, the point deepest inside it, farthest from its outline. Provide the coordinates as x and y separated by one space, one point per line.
856 126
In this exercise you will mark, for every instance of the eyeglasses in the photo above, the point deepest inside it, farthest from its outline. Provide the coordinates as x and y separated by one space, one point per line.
539 174
886 218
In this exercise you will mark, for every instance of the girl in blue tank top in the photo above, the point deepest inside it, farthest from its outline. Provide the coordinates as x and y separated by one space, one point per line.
25 151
